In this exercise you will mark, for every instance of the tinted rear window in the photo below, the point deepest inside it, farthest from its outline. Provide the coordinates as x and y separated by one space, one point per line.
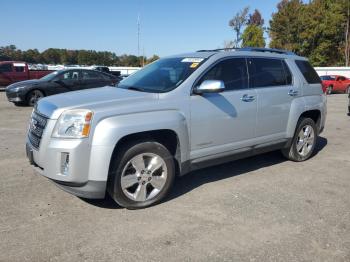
265 72
308 72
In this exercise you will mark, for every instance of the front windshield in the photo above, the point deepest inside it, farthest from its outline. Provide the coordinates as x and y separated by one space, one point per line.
50 76
162 75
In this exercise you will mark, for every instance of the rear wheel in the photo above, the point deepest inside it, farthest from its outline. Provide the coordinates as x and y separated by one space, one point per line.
329 90
304 141
34 96
142 175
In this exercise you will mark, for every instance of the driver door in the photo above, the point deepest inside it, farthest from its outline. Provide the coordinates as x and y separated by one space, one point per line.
226 121
68 81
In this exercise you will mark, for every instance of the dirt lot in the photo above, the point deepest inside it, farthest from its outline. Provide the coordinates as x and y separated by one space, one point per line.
258 209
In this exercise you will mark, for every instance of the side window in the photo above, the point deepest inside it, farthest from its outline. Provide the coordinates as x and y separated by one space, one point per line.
232 71
70 75
5 68
19 69
341 78
308 72
288 74
266 72
90 75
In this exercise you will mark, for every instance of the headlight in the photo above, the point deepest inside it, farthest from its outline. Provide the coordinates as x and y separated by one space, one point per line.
73 124
17 88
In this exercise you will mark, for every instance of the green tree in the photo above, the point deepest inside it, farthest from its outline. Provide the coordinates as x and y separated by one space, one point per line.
65 56
152 59
253 36
316 29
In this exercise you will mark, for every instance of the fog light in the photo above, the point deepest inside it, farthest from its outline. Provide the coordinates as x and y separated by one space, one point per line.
65 164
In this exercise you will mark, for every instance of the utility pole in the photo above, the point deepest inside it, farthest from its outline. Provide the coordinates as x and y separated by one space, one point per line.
138 36
143 56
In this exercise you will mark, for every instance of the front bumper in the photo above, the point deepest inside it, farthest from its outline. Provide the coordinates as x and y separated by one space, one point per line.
76 182
15 96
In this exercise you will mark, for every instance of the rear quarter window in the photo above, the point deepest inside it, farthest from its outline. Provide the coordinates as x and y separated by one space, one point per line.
308 72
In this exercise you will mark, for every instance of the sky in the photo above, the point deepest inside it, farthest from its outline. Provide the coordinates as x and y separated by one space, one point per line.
167 27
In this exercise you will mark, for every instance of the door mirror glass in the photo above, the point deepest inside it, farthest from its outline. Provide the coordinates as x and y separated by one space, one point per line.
210 86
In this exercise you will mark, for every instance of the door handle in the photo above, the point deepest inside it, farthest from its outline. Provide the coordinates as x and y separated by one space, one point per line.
247 98
293 92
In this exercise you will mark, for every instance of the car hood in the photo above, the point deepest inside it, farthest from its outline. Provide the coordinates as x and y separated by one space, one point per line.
25 83
97 99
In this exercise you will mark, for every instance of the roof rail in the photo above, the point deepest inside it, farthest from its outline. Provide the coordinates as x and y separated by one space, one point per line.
270 50
252 49
218 49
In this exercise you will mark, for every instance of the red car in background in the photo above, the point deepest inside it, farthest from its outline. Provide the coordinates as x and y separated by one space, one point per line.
335 84
11 72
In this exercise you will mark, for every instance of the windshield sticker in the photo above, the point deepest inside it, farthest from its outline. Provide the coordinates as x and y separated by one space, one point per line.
192 60
194 65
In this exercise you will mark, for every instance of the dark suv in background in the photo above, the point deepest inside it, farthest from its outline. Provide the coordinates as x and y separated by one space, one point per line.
30 91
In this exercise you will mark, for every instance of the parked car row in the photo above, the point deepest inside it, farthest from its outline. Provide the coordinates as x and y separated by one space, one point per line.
61 81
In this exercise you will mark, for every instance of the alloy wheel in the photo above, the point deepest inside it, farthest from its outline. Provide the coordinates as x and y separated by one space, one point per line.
144 177
305 141
35 96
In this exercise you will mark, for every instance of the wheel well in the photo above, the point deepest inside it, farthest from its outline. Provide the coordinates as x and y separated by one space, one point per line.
166 137
34 90
314 115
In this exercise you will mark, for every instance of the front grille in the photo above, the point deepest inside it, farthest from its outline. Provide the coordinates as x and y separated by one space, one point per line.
36 128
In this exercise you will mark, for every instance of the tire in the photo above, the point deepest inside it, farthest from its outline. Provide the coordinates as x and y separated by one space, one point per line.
296 153
329 90
19 104
144 186
347 91
33 97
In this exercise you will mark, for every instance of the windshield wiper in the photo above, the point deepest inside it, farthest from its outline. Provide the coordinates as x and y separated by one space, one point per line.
136 88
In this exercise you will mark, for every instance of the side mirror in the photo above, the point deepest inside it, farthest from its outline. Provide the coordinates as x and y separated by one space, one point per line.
210 86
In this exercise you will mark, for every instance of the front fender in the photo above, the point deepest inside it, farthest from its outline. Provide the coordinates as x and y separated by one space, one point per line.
110 130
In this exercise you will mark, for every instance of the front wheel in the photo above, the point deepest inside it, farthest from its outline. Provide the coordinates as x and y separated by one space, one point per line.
142 175
33 97
304 141
329 90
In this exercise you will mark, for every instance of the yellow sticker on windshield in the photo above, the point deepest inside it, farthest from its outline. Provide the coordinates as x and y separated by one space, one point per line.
194 65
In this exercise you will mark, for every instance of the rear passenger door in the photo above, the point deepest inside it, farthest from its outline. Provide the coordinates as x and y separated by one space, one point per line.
273 82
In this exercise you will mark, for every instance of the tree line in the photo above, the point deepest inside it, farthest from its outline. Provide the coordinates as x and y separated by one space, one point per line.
72 57
316 29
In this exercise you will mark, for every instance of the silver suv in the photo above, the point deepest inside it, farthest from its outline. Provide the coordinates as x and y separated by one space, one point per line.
176 115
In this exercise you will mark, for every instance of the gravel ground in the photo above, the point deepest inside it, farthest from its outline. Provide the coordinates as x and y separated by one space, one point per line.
258 209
